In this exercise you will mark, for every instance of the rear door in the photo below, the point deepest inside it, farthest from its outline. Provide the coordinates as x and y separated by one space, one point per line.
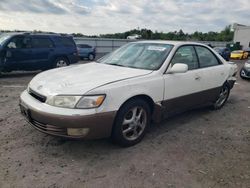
213 72
18 54
42 47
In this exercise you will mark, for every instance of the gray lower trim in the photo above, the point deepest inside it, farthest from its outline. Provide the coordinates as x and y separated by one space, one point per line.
184 103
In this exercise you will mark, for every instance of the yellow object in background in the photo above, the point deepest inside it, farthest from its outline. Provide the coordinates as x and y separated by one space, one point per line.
239 54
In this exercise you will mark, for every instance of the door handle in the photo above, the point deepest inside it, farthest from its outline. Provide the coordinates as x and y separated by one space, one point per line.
197 77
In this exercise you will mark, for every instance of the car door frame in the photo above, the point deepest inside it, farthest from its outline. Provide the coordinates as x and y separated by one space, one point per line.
184 99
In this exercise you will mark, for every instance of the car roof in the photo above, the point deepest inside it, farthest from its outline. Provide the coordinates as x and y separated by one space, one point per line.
171 42
238 51
220 47
36 34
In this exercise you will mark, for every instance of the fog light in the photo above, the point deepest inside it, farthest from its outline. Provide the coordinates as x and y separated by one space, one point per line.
77 131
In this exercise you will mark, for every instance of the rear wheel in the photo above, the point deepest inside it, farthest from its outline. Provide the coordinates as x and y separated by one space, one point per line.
61 62
222 98
91 57
131 123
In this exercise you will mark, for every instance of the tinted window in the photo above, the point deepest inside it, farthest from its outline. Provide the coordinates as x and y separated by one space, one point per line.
67 41
186 55
206 57
42 43
19 42
83 46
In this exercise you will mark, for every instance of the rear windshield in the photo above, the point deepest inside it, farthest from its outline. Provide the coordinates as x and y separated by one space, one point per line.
83 46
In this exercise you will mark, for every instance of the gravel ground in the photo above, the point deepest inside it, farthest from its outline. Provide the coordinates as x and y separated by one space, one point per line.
200 148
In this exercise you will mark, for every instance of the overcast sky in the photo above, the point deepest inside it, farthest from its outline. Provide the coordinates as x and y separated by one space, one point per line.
109 16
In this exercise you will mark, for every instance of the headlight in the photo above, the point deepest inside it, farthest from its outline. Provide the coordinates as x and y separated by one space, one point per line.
63 101
90 101
76 101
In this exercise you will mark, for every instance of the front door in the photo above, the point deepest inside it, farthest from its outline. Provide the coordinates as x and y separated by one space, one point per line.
18 53
182 90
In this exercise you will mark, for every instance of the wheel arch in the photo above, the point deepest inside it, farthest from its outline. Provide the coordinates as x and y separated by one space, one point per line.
60 56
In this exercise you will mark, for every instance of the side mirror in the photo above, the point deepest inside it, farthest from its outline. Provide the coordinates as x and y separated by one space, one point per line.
178 68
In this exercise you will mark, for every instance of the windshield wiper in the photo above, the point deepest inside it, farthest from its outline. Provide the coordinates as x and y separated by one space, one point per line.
116 64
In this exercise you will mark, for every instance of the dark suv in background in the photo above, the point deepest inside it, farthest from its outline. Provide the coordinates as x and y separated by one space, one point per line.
30 51
224 52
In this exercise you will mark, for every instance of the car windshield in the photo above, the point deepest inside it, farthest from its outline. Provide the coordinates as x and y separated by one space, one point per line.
148 56
3 38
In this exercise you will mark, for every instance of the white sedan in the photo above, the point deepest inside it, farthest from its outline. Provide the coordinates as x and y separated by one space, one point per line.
118 95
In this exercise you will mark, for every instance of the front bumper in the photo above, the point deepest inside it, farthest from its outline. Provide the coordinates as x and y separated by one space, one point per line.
45 119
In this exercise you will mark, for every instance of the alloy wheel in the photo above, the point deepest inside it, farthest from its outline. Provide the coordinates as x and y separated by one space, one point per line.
61 63
134 123
222 97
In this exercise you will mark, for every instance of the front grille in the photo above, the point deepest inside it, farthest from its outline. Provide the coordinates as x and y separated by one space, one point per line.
37 96
247 73
49 129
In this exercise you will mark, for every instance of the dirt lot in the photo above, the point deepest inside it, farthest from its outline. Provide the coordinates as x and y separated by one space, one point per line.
200 148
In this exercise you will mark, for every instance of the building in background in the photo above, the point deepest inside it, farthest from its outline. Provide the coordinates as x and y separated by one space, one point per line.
242 35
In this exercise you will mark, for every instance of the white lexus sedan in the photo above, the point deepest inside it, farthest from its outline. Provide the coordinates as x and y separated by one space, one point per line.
119 95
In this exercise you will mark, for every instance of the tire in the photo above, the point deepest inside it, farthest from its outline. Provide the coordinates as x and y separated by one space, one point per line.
222 98
241 75
131 123
61 62
91 57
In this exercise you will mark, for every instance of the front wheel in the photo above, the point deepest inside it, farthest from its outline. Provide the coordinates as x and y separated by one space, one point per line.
222 98
131 123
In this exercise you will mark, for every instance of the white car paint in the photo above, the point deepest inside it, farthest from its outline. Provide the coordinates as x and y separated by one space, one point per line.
120 83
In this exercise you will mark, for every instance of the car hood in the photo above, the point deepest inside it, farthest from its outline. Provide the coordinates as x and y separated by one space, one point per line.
79 79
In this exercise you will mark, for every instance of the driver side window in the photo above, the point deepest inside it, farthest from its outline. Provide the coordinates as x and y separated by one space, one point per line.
186 55
19 42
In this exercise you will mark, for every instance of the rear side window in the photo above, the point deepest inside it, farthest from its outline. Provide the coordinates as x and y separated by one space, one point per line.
84 46
206 57
42 43
186 55
67 41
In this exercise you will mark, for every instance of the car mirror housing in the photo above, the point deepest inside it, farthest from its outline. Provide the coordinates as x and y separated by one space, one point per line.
178 68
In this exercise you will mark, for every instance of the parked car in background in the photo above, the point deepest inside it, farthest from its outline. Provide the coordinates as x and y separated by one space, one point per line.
134 37
86 51
224 52
245 71
30 51
248 51
239 54
119 95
